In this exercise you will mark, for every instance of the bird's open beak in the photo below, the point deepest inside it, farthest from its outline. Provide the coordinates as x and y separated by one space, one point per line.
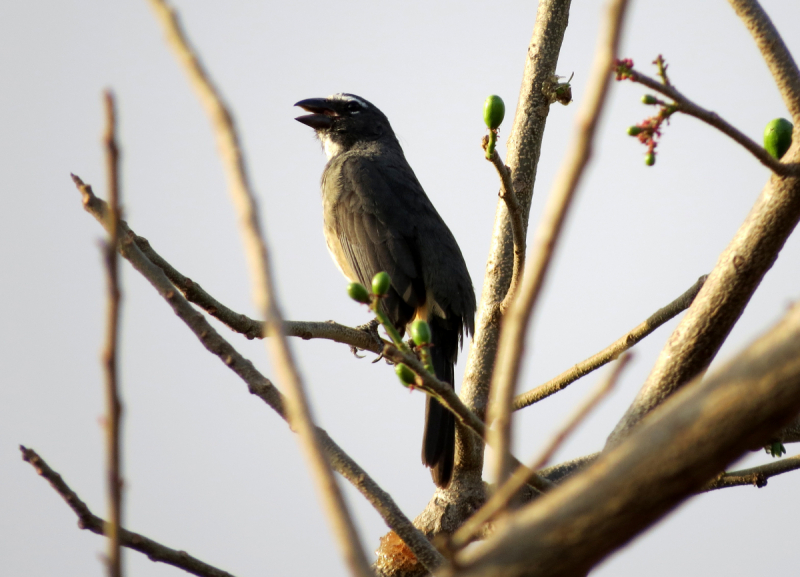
322 113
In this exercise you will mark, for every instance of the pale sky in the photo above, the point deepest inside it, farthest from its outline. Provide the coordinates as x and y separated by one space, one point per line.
210 469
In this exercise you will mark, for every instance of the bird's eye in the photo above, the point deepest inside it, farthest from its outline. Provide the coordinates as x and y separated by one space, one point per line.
353 107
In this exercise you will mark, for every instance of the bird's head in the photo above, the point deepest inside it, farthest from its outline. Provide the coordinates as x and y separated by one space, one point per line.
343 120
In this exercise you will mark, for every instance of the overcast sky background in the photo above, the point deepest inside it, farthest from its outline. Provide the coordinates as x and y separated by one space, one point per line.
210 469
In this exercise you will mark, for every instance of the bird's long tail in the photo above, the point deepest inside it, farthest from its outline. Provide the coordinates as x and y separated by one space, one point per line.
439 438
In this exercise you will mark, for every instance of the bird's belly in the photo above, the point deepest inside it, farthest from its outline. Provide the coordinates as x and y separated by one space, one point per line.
337 254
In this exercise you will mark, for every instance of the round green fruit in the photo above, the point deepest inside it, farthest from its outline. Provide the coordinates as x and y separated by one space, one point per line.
406 375
421 332
381 283
778 137
358 293
494 110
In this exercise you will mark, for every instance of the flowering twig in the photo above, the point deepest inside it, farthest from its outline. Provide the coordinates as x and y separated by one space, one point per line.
624 71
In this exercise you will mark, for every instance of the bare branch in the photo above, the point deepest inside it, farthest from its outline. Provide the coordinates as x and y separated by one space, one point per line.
777 56
261 387
503 495
264 292
612 351
88 520
683 104
669 457
558 473
515 323
524 146
721 301
757 476
110 353
252 328
515 215
445 394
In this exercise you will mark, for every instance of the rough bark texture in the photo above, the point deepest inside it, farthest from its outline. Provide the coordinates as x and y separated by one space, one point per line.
670 456
448 509
524 146
721 301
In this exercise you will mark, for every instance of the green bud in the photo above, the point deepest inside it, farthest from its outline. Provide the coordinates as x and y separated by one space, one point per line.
421 333
358 293
649 159
649 99
778 137
493 111
381 283
634 131
406 375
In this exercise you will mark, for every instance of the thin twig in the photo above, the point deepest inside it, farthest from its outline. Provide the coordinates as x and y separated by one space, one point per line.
503 495
260 386
445 394
264 292
775 53
683 104
612 351
247 326
517 226
757 476
515 323
88 520
110 353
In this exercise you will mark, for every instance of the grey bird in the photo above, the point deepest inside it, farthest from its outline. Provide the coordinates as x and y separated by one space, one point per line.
378 218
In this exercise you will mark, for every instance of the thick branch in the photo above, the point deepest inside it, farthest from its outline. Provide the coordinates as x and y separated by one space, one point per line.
673 454
524 146
88 520
515 323
721 301
612 351
503 494
260 386
777 56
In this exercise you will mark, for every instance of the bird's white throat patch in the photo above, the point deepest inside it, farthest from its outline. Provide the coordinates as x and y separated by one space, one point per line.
331 147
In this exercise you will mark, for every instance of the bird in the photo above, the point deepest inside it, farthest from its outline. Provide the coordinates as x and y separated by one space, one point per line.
377 217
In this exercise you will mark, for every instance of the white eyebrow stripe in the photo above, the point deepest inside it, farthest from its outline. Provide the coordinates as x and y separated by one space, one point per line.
348 97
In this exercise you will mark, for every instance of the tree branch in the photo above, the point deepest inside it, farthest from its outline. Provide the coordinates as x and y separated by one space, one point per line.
671 455
445 394
777 56
515 323
503 494
612 351
756 476
524 146
725 294
683 104
515 215
88 520
110 352
244 201
261 387
243 324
